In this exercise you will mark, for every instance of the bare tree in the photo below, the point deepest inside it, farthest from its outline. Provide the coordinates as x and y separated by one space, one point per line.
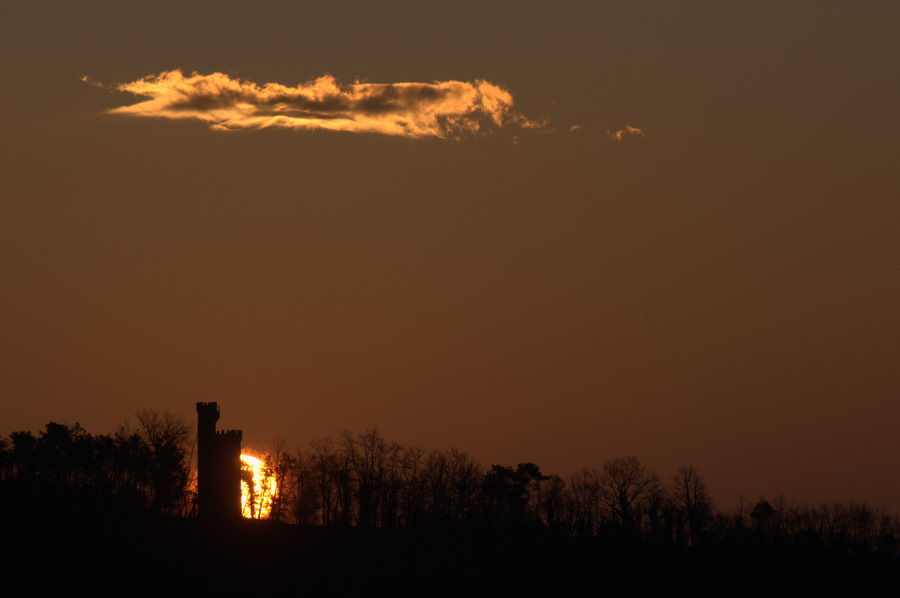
661 512
413 489
438 476
307 497
167 437
551 498
327 472
366 457
5 461
585 502
624 489
465 485
285 467
692 501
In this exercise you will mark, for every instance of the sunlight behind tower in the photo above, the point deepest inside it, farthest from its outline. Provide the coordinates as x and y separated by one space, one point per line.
258 488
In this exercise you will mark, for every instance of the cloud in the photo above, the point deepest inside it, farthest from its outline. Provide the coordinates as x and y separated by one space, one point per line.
444 109
620 134
92 82
574 128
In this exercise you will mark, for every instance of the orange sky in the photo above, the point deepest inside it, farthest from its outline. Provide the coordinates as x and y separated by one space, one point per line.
721 290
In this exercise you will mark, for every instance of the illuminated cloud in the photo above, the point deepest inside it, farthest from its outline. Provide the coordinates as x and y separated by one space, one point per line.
92 82
445 109
574 128
620 134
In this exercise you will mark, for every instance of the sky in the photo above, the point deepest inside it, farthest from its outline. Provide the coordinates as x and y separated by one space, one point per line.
540 232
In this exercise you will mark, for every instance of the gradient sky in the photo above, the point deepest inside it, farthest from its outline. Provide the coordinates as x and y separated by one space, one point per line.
723 291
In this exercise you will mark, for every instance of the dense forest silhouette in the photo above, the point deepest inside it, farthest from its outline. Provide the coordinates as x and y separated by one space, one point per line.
358 512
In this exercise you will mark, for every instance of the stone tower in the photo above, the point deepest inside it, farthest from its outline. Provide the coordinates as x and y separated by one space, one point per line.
218 467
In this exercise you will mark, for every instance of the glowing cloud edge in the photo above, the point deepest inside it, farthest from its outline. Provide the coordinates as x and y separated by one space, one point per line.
442 109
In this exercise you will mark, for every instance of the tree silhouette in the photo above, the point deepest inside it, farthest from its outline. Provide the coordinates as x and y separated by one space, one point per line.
624 489
166 438
692 501
506 493
65 475
552 499
585 507
285 468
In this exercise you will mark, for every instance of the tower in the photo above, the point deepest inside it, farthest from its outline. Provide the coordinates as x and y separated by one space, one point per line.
218 467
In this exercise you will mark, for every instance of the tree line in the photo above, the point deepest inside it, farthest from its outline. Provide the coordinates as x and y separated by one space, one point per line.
363 480
144 466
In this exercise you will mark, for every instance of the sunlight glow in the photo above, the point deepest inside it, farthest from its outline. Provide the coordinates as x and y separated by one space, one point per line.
258 488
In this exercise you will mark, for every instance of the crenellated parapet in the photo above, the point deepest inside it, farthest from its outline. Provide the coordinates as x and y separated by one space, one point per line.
208 410
218 467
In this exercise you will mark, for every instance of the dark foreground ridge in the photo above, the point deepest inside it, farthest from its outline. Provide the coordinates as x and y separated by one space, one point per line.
163 555
360 516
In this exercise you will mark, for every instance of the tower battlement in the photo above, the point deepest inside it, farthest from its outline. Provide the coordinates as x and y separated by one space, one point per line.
218 467
208 411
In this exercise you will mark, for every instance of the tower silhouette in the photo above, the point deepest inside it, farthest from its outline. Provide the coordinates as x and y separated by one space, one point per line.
218 467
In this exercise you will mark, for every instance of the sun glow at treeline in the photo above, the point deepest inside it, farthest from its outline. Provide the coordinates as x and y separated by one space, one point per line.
258 488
